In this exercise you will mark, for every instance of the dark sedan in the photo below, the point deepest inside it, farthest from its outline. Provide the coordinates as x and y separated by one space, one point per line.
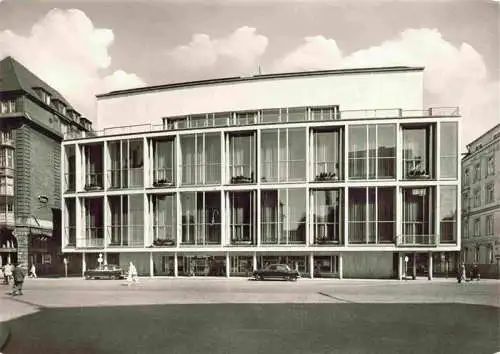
106 271
276 271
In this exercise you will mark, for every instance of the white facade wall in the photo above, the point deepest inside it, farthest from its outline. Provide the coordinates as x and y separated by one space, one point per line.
377 90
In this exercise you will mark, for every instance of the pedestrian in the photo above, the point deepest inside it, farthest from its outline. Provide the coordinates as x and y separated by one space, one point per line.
33 271
461 276
18 275
132 274
8 273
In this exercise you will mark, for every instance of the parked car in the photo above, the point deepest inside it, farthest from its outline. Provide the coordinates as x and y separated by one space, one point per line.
276 271
105 271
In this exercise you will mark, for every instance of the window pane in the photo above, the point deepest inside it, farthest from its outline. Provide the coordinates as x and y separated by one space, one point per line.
327 215
296 155
357 152
357 215
448 211
327 156
269 155
449 150
386 149
296 216
188 150
212 148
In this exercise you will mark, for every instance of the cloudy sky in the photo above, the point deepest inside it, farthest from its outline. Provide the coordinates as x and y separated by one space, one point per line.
87 47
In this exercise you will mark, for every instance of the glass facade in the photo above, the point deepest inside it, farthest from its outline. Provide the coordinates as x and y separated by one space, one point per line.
283 216
201 159
372 151
312 187
283 155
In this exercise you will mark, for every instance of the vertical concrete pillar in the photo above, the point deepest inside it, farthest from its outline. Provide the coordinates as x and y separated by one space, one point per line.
151 265
414 270
255 261
311 265
341 267
176 266
84 264
400 266
430 267
228 265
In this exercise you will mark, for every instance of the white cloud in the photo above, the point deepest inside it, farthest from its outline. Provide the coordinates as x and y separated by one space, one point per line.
454 75
242 48
68 52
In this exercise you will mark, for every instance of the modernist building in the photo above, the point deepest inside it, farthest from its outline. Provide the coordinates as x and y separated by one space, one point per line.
481 203
33 119
341 173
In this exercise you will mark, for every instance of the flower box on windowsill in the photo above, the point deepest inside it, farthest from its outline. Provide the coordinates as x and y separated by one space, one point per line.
92 187
163 243
241 179
417 174
326 177
327 242
162 183
241 242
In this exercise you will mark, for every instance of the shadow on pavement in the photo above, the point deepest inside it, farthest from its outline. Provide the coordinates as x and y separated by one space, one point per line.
256 328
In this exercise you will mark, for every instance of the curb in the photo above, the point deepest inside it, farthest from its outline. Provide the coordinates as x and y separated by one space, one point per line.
4 334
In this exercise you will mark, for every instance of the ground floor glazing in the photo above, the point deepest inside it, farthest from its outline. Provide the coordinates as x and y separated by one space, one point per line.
318 264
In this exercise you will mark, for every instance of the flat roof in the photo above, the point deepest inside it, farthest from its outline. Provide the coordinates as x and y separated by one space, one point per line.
260 77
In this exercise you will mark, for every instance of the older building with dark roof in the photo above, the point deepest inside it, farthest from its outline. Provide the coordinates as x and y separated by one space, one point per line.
34 118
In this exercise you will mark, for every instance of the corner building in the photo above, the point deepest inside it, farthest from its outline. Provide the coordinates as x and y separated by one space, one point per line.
341 173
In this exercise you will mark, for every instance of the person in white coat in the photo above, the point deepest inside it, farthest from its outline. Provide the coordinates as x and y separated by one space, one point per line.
132 274
32 271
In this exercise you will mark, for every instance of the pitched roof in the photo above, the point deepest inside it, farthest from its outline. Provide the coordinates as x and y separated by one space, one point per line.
16 77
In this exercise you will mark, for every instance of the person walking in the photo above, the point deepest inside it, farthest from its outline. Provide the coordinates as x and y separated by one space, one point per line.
32 271
18 275
8 273
132 274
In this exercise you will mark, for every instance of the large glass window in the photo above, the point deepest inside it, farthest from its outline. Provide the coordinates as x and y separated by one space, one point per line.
418 216
372 216
201 218
201 159
93 166
127 221
327 215
372 151
449 150
283 216
126 163
283 155
242 157
448 211
328 152
70 221
242 217
417 152
164 220
163 162
69 168
241 266
94 223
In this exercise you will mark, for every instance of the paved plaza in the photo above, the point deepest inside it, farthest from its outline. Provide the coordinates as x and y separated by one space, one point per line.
190 315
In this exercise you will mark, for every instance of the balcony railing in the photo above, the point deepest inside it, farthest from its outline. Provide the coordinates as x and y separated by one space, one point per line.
326 171
93 238
164 235
201 234
326 233
125 236
416 240
94 181
242 173
274 233
241 234
163 177
126 178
